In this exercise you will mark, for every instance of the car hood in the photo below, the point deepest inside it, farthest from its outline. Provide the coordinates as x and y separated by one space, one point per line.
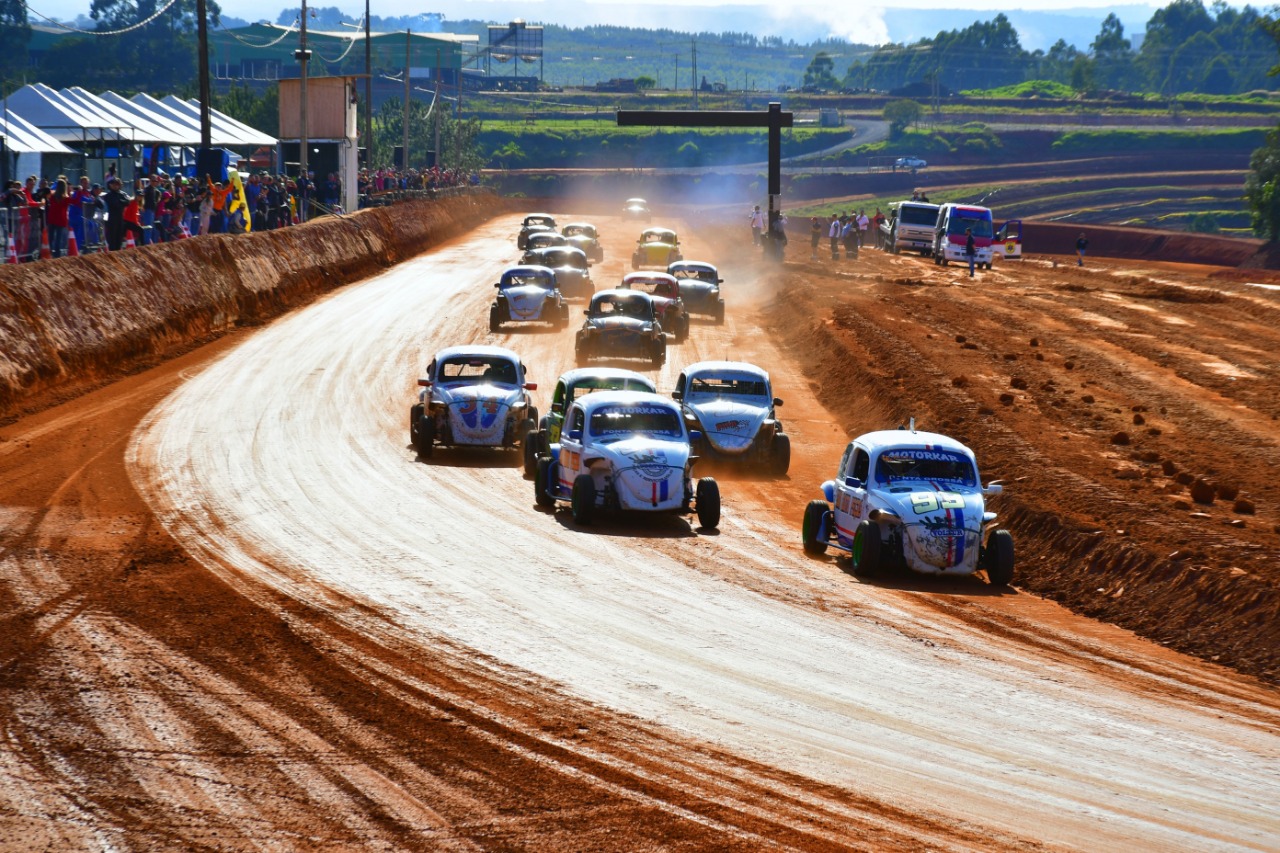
478 413
648 472
695 290
940 538
729 425
525 301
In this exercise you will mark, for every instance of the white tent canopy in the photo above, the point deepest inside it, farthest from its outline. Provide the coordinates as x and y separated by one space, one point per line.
229 131
145 130
64 120
249 132
21 137
151 110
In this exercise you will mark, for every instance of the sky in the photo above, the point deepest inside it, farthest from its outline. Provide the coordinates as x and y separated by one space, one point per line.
905 21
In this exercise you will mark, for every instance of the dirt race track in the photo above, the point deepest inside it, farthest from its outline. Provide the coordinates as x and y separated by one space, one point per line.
239 613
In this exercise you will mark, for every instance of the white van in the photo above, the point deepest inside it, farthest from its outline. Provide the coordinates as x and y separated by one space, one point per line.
950 234
909 226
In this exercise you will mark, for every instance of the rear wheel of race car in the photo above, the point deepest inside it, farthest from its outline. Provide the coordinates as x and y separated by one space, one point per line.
543 482
865 553
719 313
707 503
583 502
780 455
815 515
999 558
495 319
425 439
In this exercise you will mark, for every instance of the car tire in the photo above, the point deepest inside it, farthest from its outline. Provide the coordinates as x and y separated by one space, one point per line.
543 482
719 313
659 354
707 503
815 516
682 329
425 439
780 455
495 323
415 418
529 451
583 502
893 247
562 322
999 558
865 552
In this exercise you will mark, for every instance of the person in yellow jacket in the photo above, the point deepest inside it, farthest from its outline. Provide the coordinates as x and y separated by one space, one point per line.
238 217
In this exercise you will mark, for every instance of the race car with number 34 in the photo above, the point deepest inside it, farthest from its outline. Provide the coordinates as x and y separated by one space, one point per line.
472 396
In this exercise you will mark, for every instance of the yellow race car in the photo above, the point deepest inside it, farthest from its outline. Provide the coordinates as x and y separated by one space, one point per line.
657 247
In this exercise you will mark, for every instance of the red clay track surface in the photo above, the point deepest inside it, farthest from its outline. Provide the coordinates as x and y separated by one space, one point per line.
240 613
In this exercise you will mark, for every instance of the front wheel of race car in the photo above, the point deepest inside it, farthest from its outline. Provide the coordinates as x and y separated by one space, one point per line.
719 313
425 438
415 418
530 452
811 534
562 321
544 482
682 328
998 556
707 503
583 502
780 455
495 319
866 549
659 353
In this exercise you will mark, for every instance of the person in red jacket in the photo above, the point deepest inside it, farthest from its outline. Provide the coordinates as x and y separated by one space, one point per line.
56 213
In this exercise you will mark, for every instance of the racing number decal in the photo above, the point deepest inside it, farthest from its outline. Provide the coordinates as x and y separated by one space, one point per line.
491 407
923 502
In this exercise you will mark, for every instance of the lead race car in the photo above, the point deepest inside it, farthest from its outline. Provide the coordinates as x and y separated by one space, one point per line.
665 293
908 499
473 396
731 404
621 323
699 287
572 385
625 451
528 294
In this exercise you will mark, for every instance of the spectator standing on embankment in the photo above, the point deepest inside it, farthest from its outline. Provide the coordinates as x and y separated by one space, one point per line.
1082 243
117 200
57 216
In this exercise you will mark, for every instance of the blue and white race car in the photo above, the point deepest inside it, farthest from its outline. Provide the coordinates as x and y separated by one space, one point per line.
528 294
473 396
731 404
903 498
625 451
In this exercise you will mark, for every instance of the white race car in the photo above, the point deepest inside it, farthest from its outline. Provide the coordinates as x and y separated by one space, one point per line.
472 396
910 499
625 451
731 404
528 294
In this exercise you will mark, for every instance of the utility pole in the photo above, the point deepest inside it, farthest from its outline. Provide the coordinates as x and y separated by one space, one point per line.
435 110
408 35
202 18
303 56
368 90
695 74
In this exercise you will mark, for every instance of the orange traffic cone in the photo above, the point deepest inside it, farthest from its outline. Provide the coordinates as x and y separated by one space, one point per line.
45 254
11 254
128 241
73 251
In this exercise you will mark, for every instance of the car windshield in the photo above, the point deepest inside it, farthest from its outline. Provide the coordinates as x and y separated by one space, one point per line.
918 215
622 306
959 224
728 385
543 221
565 259
477 369
546 238
589 386
540 279
650 285
695 273
943 466
658 237
615 422
579 231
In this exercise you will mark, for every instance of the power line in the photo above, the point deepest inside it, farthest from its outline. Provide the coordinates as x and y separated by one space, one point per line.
128 29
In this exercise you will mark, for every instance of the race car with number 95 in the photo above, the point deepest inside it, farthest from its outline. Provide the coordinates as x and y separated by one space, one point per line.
903 499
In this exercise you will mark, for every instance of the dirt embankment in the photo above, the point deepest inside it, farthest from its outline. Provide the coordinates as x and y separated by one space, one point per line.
75 323
1129 415
1114 241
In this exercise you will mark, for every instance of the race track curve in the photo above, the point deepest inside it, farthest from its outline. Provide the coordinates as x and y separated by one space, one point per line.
286 463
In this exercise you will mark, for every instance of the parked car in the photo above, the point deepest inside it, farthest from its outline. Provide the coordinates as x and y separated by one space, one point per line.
636 208
473 396
583 235
699 288
625 451
573 272
913 500
731 405
665 292
544 240
657 247
621 323
911 163
572 385
528 294
532 223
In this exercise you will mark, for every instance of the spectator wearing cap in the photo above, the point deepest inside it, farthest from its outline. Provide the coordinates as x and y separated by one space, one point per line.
117 201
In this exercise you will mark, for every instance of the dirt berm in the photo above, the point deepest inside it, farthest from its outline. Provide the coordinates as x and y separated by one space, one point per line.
75 323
